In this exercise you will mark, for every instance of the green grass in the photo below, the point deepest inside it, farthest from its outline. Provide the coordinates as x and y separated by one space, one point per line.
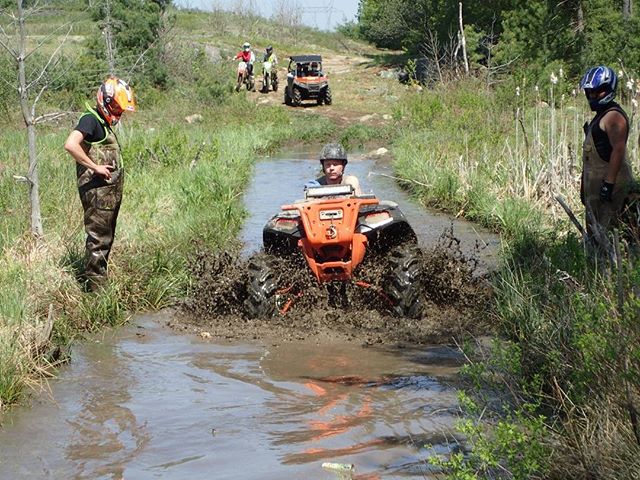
567 328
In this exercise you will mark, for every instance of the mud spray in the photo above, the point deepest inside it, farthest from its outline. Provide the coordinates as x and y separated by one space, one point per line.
455 299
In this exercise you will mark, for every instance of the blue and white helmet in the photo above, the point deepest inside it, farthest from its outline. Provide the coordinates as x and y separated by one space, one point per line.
600 78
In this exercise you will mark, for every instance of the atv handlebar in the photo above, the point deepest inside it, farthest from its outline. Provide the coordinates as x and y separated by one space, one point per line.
364 200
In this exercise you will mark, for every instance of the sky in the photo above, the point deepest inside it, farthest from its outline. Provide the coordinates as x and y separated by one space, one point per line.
322 14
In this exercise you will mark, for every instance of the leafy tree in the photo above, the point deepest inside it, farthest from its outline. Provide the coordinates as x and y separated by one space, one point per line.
133 30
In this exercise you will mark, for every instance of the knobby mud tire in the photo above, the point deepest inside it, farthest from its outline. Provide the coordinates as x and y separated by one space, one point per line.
239 84
274 85
287 98
297 97
327 96
403 281
261 289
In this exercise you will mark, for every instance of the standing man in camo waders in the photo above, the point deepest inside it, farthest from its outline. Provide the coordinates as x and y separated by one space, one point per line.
95 148
606 173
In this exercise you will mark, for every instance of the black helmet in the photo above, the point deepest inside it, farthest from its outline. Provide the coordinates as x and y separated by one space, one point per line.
333 151
269 49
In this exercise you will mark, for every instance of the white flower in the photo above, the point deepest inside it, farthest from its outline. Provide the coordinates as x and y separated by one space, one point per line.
553 78
560 73
620 74
634 102
536 88
573 92
630 84
517 91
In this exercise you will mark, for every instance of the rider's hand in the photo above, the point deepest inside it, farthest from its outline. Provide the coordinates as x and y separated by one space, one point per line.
606 190
103 171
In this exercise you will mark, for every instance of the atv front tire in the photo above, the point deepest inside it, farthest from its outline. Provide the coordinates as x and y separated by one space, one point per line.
327 96
261 289
297 97
287 98
403 281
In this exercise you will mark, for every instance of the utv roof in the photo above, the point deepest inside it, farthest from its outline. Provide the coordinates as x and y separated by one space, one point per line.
306 58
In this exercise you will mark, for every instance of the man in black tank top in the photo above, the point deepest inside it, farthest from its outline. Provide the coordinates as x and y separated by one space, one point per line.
606 171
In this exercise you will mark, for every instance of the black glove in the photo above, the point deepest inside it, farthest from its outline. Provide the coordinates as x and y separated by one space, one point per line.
606 190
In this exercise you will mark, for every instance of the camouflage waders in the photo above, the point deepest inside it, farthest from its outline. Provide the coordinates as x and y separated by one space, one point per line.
101 202
594 170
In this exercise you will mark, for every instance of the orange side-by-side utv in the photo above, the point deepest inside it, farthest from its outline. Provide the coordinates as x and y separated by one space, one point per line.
334 231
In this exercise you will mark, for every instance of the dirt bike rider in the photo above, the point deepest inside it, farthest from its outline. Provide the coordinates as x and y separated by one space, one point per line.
606 171
333 158
95 148
270 56
247 56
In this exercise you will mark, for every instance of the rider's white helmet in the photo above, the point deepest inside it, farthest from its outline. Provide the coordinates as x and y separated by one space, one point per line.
246 46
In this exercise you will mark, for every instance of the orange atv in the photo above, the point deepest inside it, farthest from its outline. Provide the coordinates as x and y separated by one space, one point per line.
334 231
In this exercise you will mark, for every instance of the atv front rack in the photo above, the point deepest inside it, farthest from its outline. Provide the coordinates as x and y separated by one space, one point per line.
331 245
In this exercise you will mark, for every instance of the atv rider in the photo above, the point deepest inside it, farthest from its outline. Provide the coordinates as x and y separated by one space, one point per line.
247 56
606 171
333 158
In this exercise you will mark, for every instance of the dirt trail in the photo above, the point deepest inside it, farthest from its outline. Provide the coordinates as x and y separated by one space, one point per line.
360 94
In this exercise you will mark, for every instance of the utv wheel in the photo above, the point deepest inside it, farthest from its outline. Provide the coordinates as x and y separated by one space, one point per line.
297 97
403 281
261 289
327 96
320 99
287 98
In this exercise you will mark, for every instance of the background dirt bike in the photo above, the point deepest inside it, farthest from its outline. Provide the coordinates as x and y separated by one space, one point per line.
269 77
244 77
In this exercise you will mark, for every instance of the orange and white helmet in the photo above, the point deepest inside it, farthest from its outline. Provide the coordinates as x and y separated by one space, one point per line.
115 97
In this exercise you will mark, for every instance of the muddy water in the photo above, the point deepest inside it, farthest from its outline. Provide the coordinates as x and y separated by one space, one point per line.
146 402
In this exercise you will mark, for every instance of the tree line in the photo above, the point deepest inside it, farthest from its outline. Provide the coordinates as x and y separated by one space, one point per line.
511 36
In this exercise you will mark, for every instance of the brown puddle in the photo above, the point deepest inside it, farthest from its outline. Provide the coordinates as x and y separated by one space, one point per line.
146 403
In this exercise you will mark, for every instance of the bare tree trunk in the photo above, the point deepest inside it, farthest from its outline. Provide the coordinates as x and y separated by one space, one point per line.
580 19
626 9
463 40
32 175
108 37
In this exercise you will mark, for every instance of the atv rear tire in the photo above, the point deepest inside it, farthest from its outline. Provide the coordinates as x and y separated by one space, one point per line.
261 289
327 96
297 97
403 282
